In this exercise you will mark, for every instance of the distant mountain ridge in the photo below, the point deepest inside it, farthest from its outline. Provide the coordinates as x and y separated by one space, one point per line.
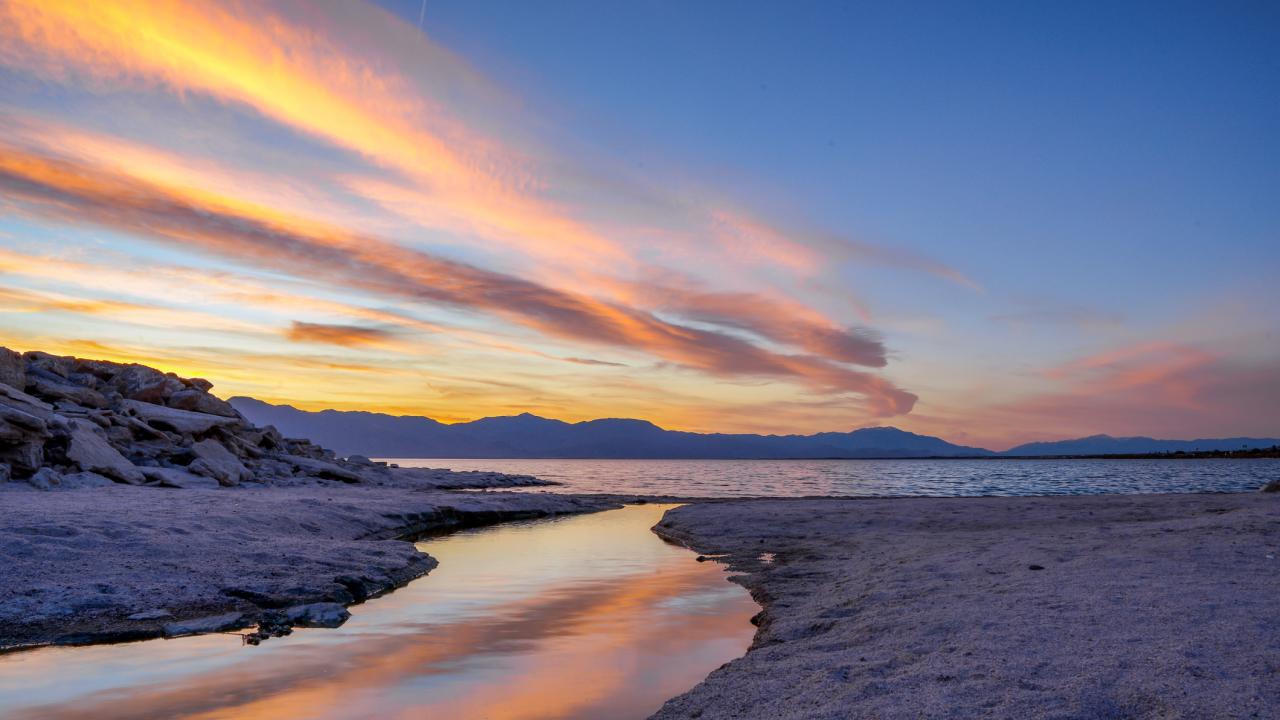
530 436
1108 445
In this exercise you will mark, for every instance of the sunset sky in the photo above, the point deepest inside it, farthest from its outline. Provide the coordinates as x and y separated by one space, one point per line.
990 222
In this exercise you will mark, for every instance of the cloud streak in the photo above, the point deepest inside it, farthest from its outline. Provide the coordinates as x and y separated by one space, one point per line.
73 191
342 335
259 56
356 91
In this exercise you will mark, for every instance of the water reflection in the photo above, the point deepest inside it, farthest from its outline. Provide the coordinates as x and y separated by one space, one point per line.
582 617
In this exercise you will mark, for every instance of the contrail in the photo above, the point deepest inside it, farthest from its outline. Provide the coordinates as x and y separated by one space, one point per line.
422 14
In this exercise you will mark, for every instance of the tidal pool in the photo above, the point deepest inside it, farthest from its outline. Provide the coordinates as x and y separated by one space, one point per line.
582 617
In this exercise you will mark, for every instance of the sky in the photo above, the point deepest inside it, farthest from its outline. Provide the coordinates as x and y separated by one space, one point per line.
992 222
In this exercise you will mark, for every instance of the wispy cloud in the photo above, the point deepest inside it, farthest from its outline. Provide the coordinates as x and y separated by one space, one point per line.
1160 387
74 191
590 361
344 335
812 250
437 218
353 97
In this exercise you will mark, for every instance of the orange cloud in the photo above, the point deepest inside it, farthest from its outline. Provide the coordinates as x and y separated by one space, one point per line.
80 192
344 335
769 316
260 57
358 94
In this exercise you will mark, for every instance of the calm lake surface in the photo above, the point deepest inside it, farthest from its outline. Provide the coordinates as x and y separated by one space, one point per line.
734 478
582 617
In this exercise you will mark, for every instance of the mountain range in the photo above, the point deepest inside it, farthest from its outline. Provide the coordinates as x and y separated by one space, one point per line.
530 436
1108 445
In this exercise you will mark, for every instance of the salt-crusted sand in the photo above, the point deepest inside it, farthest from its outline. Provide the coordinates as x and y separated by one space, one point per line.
1157 606
78 564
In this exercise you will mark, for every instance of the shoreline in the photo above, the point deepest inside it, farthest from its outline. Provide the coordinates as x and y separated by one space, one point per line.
1029 606
1159 605
127 563
89 610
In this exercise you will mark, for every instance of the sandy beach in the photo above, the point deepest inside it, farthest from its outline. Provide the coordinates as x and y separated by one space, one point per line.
1158 606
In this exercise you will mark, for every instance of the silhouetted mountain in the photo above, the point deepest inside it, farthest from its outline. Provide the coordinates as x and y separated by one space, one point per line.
530 436
1107 445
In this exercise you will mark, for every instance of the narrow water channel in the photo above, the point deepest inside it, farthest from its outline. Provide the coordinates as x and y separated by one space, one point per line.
582 617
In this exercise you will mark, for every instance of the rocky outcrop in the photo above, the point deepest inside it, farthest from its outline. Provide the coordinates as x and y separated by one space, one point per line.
88 450
69 423
13 368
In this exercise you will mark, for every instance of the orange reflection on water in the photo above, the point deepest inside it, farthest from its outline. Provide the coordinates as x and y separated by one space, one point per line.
579 618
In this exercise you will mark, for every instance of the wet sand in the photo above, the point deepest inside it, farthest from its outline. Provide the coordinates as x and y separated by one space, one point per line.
1108 606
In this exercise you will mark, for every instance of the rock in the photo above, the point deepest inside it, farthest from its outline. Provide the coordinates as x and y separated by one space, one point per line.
215 461
180 421
45 479
138 382
24 457
13 368
175 478
320 468
43 362
83 480
1272 487
52 390
119 436
202 402
150 615
91 452
23 426
14 397
110 420
318 615
208 624
101 418
239 447
136 427
272 468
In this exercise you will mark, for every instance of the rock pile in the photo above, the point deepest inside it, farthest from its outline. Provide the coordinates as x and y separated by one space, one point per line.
67 423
